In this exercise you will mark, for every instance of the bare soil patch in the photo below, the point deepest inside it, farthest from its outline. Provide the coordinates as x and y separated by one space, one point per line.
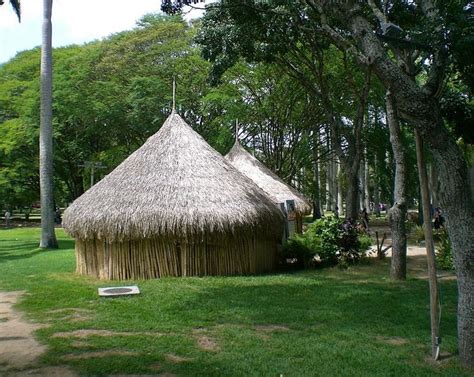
18 347
271 328
69 310
394 341
99 354
166 374
155 366
79 344
74 314
85 333
176 359
199 330
207 344
44 372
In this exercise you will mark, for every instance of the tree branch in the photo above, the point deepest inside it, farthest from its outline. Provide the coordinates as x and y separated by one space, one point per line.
377 12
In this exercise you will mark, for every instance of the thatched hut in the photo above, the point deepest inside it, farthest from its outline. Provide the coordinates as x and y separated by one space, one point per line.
275 188
174 207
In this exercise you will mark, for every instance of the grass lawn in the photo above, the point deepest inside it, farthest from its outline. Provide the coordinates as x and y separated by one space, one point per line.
314 323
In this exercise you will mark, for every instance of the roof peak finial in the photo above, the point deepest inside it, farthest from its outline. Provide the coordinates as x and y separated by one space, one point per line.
237 130
174 95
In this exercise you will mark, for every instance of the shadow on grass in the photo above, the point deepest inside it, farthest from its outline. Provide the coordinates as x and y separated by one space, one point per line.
9 256
19 249
324 317
364 307
66 244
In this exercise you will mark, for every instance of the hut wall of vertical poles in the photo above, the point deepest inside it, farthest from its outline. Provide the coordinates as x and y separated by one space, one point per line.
174 207
159 257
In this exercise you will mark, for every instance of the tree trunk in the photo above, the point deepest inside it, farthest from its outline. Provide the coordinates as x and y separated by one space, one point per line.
421 108
397 214
352 197
334 185
330 177
430 251
338 193
420 210
376 189
316 186
48 237
367 182
471 180
362 185
433 178
327 197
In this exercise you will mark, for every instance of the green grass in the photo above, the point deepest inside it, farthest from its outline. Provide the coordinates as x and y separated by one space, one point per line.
317 323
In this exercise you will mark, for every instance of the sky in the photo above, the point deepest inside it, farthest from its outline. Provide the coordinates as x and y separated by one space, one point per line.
74 22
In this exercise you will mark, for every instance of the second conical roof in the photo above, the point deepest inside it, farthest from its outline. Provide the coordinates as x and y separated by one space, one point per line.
275 188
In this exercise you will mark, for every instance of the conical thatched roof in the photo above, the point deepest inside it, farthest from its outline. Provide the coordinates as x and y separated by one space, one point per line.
275 188
174 185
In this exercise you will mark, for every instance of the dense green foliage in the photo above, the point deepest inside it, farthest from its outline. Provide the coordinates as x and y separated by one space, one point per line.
111 95
328 241
292 324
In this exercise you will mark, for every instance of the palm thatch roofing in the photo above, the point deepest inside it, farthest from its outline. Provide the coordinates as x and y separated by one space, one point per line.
177 186
275 188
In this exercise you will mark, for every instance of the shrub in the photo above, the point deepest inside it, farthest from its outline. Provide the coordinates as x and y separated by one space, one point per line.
418 234
332 240
299 250
365 242
327 232
410 225
349 244
444 255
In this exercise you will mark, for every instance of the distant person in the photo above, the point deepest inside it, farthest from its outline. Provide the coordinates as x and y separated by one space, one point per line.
438 219
8 217
57 216
365 219
336 212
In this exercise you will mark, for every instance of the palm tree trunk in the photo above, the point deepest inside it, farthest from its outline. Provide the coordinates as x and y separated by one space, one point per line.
48 237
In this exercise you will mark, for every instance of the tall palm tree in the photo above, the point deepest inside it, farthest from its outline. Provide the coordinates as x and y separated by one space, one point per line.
48 237
15 5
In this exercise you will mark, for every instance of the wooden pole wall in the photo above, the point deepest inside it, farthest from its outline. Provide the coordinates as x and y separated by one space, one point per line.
154 258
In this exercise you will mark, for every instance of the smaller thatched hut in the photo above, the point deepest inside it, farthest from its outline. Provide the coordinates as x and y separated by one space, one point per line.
275 188
174 207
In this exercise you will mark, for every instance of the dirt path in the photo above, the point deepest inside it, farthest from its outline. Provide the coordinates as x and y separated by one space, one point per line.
19 350
417 260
